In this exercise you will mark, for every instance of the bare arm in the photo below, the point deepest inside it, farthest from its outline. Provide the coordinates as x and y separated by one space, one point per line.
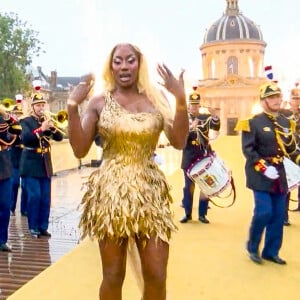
178 130
82 131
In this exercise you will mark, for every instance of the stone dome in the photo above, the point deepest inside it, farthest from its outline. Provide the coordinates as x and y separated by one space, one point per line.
233 25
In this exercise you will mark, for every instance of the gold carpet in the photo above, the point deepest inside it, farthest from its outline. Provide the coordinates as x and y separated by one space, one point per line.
206 261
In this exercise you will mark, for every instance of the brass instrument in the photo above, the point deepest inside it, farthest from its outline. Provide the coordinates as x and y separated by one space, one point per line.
59 120
62 117
8 104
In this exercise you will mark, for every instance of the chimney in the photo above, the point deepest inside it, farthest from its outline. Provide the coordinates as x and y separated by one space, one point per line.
53 80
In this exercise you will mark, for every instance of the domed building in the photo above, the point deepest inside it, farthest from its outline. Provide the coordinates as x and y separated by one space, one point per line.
232 65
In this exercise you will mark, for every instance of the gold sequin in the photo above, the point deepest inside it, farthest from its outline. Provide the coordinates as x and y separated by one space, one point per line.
128 194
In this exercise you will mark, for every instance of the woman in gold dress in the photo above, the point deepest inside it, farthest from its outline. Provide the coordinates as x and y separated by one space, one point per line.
128 197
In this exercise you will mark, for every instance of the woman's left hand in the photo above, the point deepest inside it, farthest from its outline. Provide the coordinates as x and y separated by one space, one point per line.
173 85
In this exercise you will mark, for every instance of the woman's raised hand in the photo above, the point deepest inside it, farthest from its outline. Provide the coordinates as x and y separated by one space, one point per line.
173 85
82 91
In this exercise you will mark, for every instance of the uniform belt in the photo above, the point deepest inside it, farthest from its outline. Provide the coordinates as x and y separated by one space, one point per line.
38 150
19 146
274 160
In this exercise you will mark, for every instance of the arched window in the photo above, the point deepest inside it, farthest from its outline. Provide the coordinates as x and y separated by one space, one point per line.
232 65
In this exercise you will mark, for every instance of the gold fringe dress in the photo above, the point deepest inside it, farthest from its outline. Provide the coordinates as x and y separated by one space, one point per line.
128 194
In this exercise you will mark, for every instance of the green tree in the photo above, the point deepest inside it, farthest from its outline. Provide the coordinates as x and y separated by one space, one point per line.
18 46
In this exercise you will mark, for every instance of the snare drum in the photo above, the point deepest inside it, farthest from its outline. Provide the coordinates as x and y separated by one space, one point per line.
292 172
210 174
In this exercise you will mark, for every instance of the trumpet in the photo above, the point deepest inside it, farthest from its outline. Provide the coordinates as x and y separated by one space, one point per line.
58 120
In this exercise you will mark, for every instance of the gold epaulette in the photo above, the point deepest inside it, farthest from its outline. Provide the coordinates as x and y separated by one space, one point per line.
242 125
16 127
293 125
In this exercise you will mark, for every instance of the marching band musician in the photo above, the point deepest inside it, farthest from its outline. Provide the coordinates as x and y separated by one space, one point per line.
293 113
197 146
36 165
9 128
266 139
16 150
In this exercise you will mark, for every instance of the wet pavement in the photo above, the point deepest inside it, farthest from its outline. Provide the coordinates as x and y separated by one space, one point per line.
214 249
30 255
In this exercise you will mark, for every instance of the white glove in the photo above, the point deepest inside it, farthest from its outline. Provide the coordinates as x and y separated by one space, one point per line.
271 172
158 159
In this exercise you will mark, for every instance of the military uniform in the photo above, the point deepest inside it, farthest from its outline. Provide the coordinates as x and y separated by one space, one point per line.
266 139
197 147
295 116
8 130
259 141
36 171
16 150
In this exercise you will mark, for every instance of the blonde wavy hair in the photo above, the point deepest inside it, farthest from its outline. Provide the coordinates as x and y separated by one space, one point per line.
155 96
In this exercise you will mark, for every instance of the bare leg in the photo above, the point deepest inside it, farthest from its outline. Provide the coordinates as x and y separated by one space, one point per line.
113 257
154 259
298 208
135 263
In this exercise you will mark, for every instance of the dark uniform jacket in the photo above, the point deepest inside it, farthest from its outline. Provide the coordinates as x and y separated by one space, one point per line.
197 145
36 155
293 115
15 152
8 131
260 141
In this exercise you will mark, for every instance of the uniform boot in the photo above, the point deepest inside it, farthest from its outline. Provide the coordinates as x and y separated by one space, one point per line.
202 212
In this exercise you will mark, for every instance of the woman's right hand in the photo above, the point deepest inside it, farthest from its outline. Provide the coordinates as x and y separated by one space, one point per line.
81 91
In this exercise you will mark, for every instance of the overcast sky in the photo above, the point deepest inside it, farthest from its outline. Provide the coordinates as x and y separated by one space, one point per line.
77 34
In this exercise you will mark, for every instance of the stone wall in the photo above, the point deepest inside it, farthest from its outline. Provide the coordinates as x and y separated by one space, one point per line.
64 159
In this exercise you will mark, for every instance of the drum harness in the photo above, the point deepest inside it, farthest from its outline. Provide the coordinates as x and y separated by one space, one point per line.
202 140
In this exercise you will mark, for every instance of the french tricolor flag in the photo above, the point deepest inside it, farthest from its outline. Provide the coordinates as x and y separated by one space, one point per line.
269 72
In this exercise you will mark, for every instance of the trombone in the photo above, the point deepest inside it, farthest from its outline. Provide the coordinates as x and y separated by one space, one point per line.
59 120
